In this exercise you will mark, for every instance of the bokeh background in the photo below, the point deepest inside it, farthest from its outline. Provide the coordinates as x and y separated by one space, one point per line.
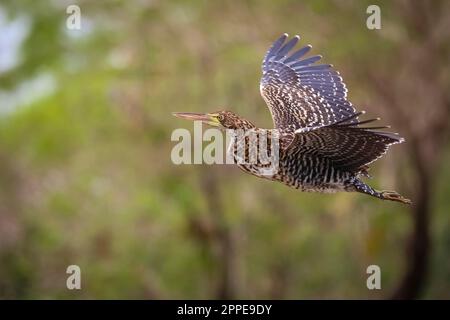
86 176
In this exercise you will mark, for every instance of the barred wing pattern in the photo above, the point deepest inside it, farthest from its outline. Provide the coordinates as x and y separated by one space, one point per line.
300 94
348 147
309 103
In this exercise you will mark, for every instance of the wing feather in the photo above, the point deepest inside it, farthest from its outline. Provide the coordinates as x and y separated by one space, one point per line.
309 101
300 93
348 147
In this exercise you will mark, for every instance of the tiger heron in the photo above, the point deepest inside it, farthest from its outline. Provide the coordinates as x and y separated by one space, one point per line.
323 147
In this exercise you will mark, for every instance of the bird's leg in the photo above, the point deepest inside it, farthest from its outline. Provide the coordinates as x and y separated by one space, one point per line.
360 186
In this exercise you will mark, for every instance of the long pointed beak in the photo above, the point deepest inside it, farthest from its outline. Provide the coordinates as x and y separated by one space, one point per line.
207 118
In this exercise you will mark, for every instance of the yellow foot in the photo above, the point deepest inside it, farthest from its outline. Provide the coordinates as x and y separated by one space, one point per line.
394 196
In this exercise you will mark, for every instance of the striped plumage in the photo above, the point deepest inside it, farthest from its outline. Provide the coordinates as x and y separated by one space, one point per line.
323 147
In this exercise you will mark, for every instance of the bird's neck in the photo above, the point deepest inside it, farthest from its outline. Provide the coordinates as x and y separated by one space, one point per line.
246 125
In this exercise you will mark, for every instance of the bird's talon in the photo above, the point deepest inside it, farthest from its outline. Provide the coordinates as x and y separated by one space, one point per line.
394 196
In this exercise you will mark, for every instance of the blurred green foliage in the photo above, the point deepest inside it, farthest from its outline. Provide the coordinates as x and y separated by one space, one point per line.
86 176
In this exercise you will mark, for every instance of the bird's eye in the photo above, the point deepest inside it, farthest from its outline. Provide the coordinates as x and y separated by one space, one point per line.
220 117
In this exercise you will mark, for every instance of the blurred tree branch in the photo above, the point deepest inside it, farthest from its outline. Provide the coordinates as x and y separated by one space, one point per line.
222 240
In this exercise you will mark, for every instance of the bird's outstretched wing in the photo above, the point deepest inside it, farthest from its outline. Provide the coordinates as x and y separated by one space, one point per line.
347 146
299 93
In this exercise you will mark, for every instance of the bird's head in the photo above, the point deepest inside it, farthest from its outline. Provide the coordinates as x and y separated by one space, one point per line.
220 119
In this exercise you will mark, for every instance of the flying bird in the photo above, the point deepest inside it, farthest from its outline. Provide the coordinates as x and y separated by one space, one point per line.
323 146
